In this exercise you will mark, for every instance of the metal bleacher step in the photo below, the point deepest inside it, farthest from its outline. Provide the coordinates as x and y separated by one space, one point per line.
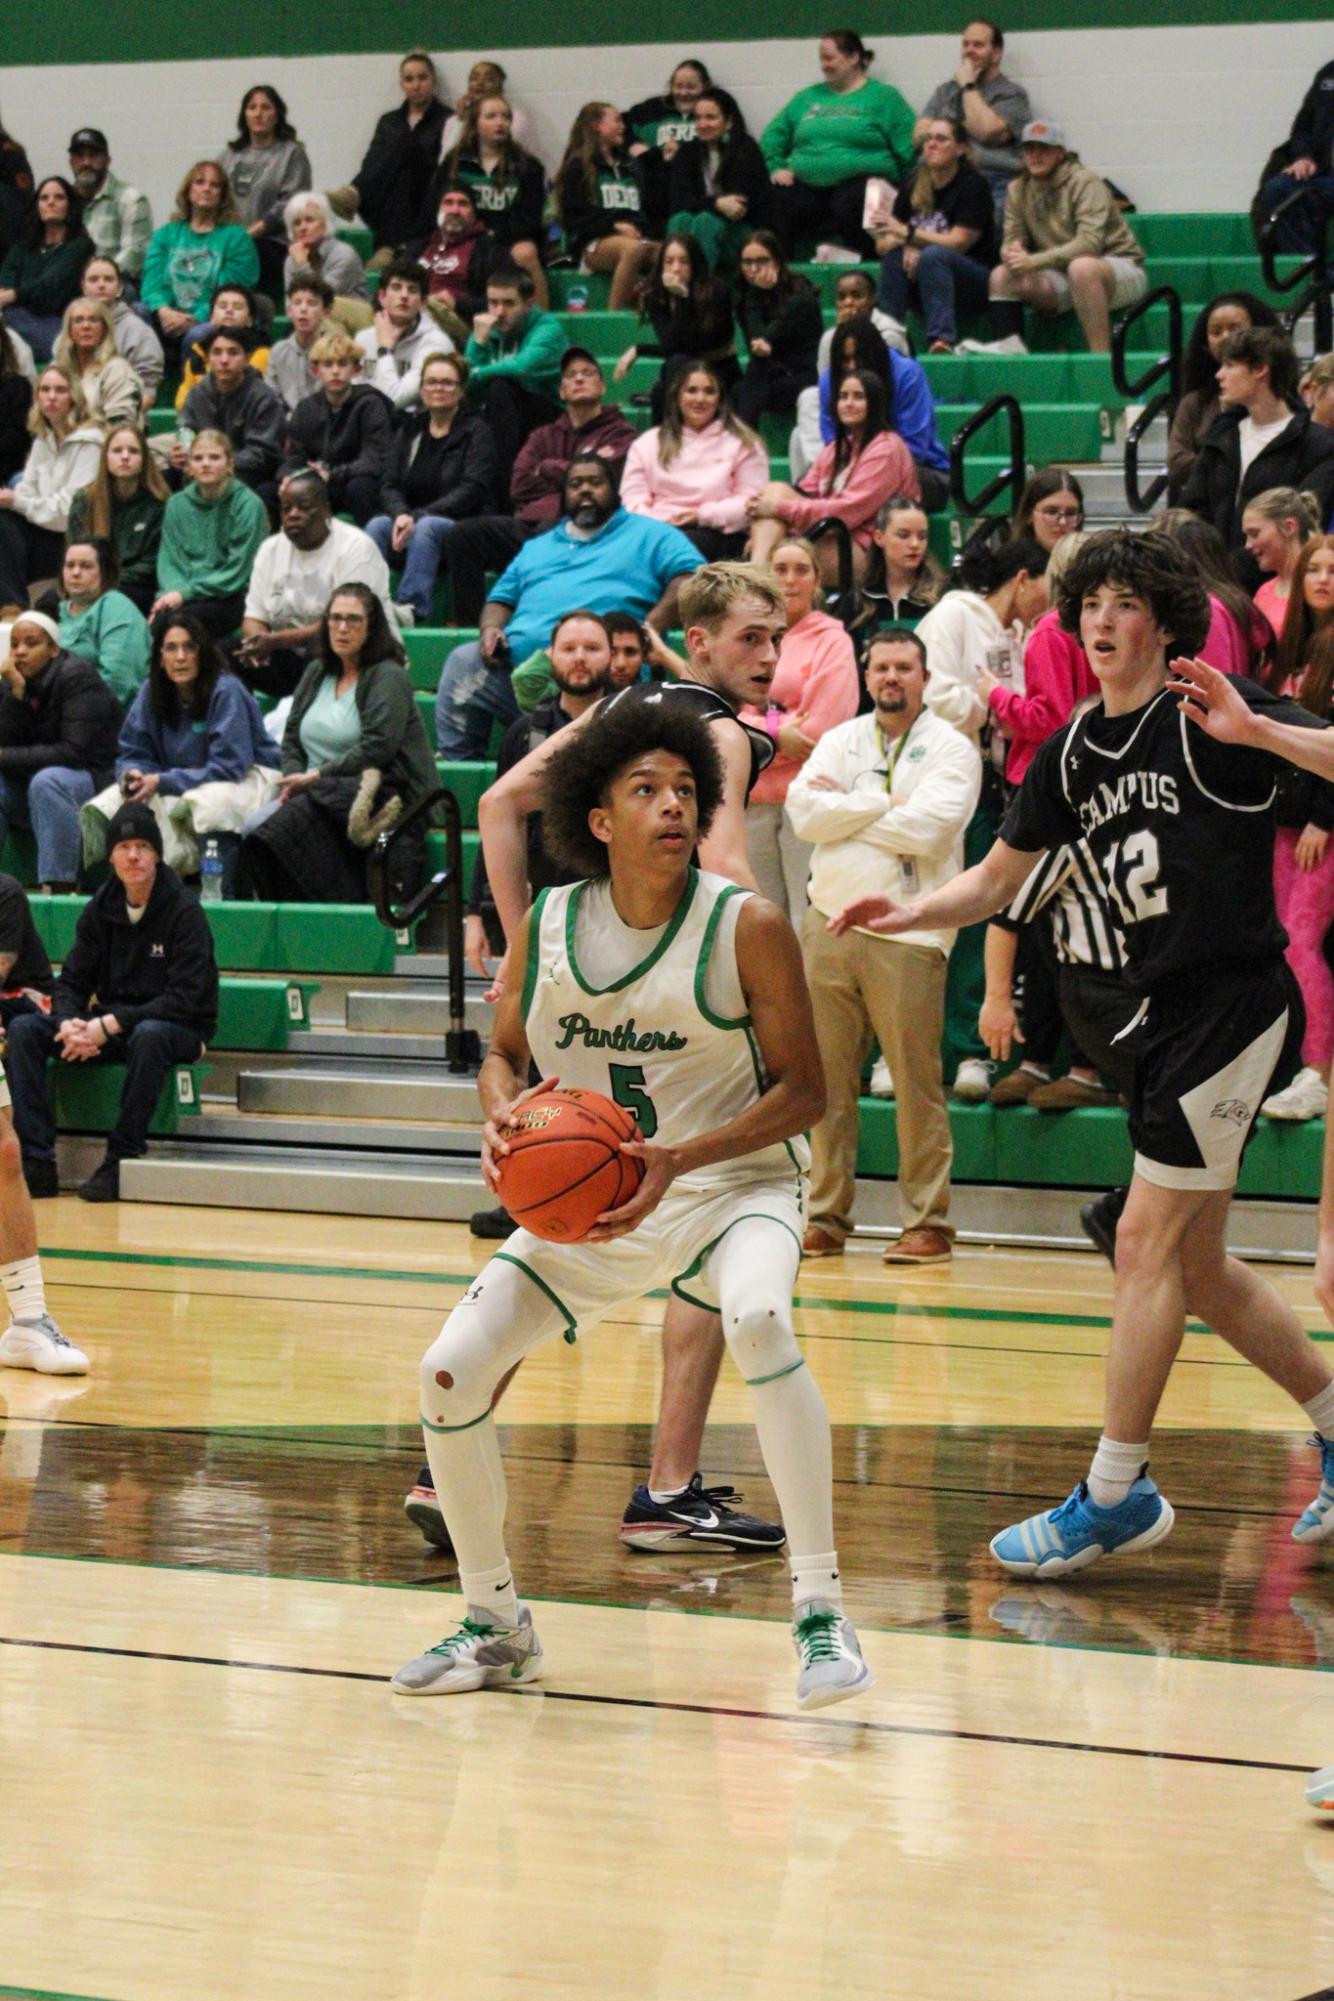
455 1143
411 1007
321 1181
418 1091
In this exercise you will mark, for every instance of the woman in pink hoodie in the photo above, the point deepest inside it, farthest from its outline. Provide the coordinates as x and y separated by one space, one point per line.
699 468
815 686
854 475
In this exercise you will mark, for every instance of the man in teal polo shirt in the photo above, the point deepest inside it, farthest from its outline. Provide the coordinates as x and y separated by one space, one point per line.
598 557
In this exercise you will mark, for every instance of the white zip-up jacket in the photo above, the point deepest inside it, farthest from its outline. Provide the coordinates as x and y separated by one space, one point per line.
53 474
904 842
961 634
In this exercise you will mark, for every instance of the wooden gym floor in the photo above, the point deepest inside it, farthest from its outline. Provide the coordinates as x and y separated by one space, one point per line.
205 1578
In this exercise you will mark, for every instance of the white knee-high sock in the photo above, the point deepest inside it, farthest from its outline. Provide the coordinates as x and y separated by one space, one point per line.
469 1480
793 1427
25 1293
1320 1409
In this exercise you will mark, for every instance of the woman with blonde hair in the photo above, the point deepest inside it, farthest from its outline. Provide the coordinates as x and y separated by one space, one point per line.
601 204
66 443
86 347
204 245
815 687
1277 525
938 244
211 532
123 504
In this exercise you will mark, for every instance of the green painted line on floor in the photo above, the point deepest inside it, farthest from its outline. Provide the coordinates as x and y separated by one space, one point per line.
889 1307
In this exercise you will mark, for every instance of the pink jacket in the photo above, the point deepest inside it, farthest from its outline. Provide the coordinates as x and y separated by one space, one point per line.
711 478
1057 677
817 677
883 469
1231 650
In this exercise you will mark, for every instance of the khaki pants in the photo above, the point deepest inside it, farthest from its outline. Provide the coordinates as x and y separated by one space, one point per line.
863 986
781 863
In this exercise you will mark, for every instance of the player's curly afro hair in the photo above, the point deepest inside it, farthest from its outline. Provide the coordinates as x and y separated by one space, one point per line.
1150 566
581 771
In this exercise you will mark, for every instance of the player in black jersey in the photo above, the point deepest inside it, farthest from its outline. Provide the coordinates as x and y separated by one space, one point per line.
733 618
1172 798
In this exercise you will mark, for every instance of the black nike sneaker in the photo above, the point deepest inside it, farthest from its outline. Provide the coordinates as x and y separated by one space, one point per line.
1100 1219
697 1518
423 1510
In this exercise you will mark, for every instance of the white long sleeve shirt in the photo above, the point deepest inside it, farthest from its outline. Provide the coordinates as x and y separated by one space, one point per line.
53 474
894 829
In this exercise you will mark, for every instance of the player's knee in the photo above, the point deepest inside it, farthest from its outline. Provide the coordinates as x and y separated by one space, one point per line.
458 1376
760 1336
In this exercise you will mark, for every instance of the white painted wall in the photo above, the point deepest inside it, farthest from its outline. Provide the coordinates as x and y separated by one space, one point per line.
1182 118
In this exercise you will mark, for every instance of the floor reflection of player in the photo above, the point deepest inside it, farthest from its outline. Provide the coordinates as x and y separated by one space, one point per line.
729 1081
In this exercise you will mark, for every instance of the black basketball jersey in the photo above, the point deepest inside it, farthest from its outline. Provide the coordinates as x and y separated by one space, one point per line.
1179 828
710 706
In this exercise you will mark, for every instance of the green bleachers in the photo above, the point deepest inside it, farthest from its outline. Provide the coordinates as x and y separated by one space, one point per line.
1085 1149
262 937
85 1097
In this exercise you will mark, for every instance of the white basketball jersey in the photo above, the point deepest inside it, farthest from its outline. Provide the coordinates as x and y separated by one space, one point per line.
652 1040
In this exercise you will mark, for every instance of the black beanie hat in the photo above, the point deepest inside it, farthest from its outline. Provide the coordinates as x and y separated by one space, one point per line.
132 822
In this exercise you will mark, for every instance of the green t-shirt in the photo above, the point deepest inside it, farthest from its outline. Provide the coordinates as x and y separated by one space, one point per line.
826 136
331 725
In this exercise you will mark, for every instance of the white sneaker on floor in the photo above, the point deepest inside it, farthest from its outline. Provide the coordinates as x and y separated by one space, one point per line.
40 1345
972 1080
481 1654
405 615
881 1084
1306 1097
832 1667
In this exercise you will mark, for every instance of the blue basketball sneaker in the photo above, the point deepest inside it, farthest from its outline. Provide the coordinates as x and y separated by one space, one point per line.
1078 1532
1316 1523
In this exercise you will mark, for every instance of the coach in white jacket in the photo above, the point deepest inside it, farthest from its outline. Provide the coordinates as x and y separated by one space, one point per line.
884 800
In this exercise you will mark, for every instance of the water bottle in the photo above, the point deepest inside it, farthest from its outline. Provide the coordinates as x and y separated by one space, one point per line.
576 299
210 873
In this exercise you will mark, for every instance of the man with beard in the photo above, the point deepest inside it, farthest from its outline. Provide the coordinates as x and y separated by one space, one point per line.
598 555
458 258
115 215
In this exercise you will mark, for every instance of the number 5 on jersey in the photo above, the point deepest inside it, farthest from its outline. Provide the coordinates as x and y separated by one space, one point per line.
627 1088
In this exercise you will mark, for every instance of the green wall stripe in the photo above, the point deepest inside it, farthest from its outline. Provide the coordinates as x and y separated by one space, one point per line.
161 30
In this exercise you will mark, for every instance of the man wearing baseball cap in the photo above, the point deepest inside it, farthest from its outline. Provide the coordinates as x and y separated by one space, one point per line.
1064 244
115 215
139 986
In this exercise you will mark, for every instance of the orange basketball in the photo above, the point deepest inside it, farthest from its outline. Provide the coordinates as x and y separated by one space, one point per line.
565 1167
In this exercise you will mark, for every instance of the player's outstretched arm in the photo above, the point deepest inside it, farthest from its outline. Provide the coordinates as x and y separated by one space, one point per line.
723 849
773 980
502 1081
979 892
1214 702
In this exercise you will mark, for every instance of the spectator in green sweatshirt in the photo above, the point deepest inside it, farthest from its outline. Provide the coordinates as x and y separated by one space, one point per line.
211 532
514 359
830 139
202 247
98 621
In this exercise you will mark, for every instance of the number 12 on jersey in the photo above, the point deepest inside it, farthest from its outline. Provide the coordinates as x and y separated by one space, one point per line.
1130 870
627 1088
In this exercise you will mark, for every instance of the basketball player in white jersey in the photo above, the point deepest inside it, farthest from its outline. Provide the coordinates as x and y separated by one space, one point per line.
733 617
32 1340
702 983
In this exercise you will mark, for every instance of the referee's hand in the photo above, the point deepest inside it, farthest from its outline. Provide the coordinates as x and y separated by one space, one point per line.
875 913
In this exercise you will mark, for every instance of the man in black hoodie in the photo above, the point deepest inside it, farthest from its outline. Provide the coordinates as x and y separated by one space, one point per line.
235 399
139 986
343 431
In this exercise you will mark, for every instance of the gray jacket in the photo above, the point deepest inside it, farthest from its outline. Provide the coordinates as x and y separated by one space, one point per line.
264 179
337 263
139 344
289 371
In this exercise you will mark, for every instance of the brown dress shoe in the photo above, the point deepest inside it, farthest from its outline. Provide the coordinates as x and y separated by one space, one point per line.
1070 1094
1017 1088
818 1243
922 1246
